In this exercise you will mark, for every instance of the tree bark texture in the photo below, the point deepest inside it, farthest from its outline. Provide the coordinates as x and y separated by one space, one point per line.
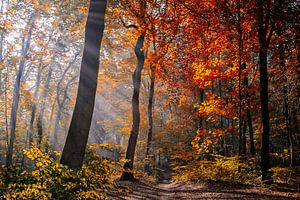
264 39
42 108
74 149
150 119
136 79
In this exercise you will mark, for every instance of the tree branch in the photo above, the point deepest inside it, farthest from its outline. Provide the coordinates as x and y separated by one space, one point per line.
195 12
128 26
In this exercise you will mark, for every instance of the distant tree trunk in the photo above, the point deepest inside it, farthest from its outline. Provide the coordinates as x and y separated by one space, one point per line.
3 85
47 139
74 149
60 106
264 14
136 79
286 108
244 149
222 138
150 119
35 96
2 37
249 117
33 108
42 108
61 103
56 129
6 111
201 99
240 86
16 92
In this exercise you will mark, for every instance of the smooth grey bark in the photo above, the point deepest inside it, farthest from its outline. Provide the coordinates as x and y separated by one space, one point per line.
136 79
74 149
150 118
35 97
61 103
33 108
42 107
60 106
16 92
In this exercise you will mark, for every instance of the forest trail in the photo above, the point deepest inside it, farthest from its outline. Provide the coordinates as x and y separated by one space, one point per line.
204 190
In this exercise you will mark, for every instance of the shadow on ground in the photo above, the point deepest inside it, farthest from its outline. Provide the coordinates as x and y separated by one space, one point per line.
205 190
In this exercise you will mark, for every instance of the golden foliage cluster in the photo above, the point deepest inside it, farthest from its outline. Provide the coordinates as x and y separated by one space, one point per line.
51 180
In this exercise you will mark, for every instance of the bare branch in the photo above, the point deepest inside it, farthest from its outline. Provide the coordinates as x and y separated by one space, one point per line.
128 26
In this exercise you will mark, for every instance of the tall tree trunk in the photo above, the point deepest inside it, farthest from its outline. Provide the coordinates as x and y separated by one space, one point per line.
240 87
286 108
136 79
56 129
150 118
74 149
60 104
3 85
264 39
222 139
16 92
33 108
264 98
35 96
244 149
2 37
201 99
249 117
42 108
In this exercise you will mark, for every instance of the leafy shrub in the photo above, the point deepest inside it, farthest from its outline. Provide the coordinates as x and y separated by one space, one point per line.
52 180
221 168
285 175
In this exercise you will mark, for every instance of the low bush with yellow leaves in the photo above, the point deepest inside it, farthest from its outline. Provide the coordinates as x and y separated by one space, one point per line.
52 180
219 168
286 175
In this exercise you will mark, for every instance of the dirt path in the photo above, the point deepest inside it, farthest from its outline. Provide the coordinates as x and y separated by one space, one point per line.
205 190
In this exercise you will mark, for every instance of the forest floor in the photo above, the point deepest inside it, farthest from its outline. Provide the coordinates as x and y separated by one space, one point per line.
205 190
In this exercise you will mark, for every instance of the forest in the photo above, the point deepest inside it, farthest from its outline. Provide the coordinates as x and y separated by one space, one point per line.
149 99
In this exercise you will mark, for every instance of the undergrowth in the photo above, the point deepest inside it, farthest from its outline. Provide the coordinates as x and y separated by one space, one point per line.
51 180
222 168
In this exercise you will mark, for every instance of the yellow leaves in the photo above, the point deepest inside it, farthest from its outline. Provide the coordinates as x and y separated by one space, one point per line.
83 9
28 192
91 194
52 180
105 146
35 172
56 23
33 153
219 168
212 107
196 141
